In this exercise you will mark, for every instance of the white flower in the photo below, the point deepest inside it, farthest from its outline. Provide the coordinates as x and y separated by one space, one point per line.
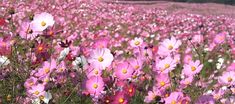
63 54
4 61
80 62
42 21
47 97
36 101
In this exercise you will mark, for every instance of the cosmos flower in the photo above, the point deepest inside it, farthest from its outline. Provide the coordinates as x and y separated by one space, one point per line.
26 31
37 90
100 58
137 42
219 38
168 46
227 78
163 80
42 21
47 68
166 65
120 98
30 82
123 70
192 68
174 98
95 85
4 61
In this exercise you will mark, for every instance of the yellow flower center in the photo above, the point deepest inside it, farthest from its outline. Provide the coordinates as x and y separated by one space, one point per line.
95 86
96 72
31 83
130 90
193 68
40 48
120 100
36 92
173 102
43 23
137 43
41 97
167 66
100 59
124 71
162 83
230 79
137 67
170 47
47 70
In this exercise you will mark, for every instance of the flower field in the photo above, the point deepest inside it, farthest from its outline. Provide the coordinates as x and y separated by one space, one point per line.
92 52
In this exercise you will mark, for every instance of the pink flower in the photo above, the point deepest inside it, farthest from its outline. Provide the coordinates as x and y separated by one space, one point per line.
61 67
187 81
227 78
47 68
30 82
26 31
163 80
166 65
100 58
219 38
174 98
137 42
123 70
37 90
95 85
101 43
93 72
168 46
42 21
150 97
231 67
192 68
120 98
136 63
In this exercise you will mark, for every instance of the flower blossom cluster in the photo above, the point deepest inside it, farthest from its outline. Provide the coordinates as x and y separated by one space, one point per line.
83 51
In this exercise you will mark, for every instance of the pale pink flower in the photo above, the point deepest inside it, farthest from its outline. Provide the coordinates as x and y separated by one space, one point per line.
37 90
174 98
100 58
42 21
219 38
166 65
227 78
26 31
168 46
47 68
192 68
137 42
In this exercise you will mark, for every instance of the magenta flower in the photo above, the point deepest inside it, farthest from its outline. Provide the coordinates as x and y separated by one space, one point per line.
100 58
123 70
168 46
192 68
95 85
227 78
166 65
42 21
